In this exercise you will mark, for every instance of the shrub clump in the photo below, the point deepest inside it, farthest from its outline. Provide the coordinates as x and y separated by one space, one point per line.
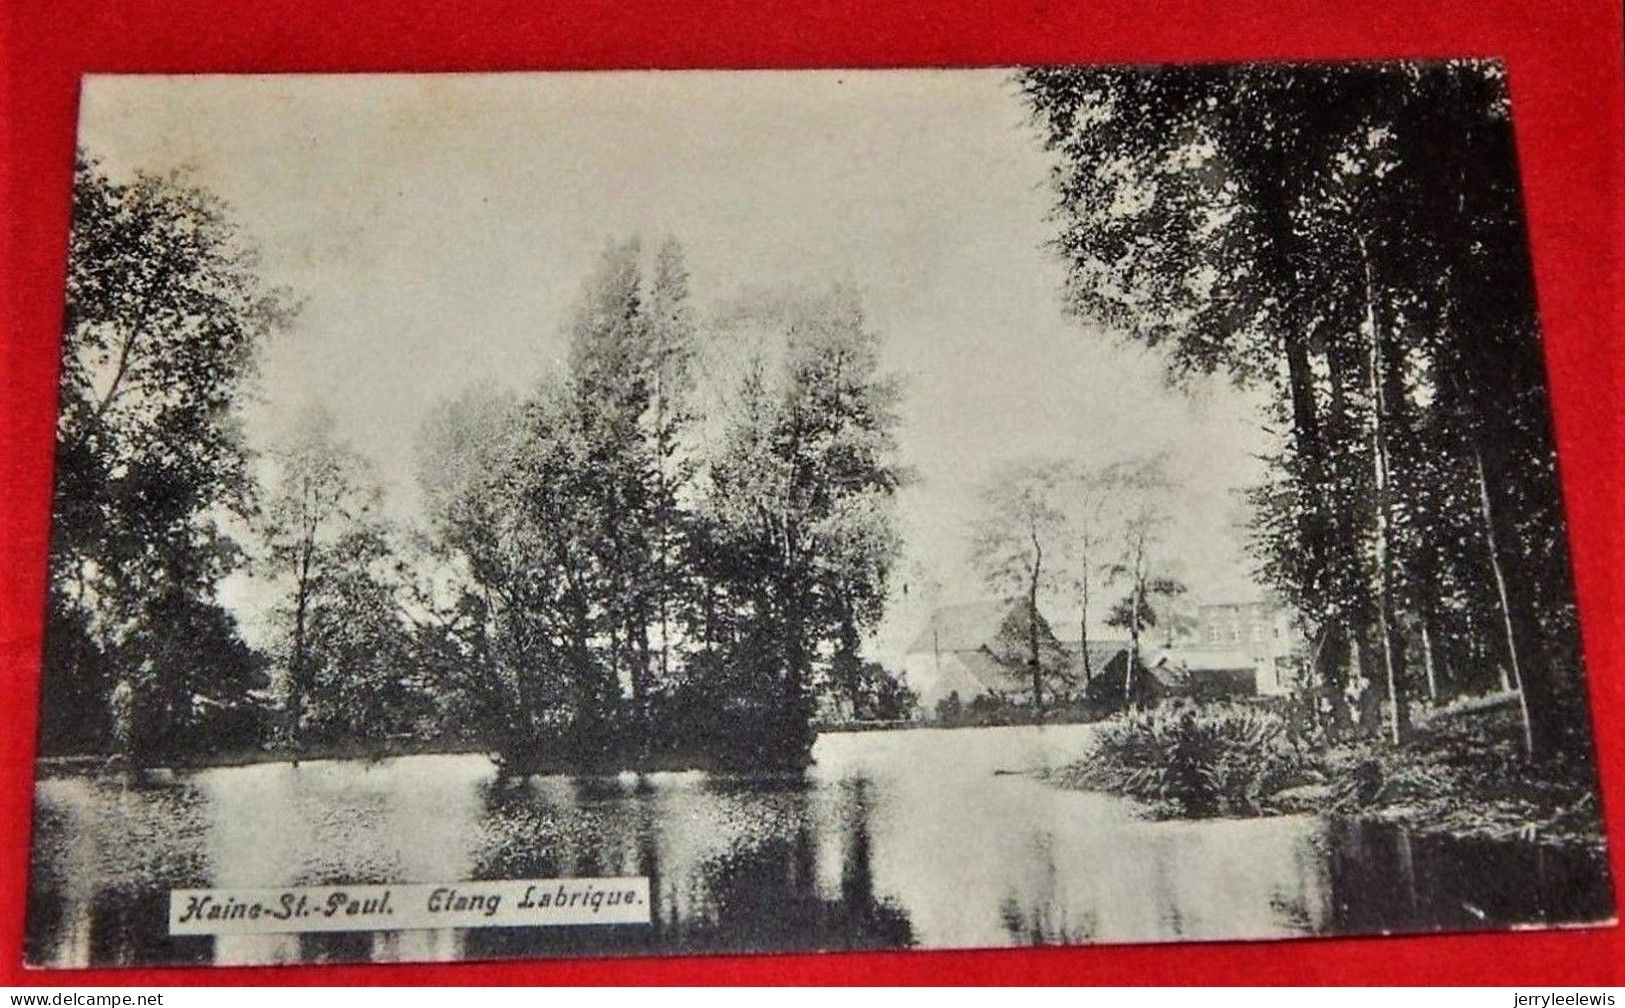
1214 759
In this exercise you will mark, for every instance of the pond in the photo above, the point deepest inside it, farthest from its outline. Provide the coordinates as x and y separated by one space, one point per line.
917 838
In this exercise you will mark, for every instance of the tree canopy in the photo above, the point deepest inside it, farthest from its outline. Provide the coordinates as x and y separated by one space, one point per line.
165 316
1348 238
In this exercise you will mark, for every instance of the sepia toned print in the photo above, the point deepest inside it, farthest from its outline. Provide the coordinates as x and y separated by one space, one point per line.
803 510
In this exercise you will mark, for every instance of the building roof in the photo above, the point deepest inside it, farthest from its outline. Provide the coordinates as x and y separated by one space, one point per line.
993 674
1101 649
1207 660
1171 678
965 627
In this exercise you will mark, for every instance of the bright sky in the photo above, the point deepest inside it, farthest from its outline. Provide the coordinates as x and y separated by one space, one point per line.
437 227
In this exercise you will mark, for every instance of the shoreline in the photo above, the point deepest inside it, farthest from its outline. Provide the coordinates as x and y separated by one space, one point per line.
66 763
1492 823
1458 776
1553 810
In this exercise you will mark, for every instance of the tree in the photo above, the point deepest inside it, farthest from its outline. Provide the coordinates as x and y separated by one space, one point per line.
1016 544
1177 192
1350 239
569 534
600 586
465 578
800 512
672 336
865 690
1143 488
632 346
165 314
528 608
342 639
1087 497
609 394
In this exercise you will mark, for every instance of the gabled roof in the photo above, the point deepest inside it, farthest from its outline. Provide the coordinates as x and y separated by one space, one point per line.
1101 650
1170 677
993 674
1203 660
1155 676
965 627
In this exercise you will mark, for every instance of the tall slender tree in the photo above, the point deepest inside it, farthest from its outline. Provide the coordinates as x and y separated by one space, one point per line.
342 636
1142 492
800 498
672 338
1087 498
1017 544
166 311
1349 238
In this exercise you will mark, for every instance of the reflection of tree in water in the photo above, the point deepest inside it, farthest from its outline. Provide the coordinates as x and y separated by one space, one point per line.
766 894
345 850
103 868
1300 906
1384 878
336 946
1043 917
554 829
46 923
1044 923
740 873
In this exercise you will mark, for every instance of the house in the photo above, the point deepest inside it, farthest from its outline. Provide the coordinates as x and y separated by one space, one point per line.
1213 674
1164 674
985 648
1258 634
1102 650
1154 681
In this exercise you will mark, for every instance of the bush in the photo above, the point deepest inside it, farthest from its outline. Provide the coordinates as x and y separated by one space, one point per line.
1202 760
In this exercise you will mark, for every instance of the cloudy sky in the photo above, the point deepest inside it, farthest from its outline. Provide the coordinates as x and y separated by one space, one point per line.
437 228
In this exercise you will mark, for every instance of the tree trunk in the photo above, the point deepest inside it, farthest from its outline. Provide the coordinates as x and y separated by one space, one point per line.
1083 611
1428 661
1032 628
1136 592
1398 703
297 687
1133 652
796 720
662 561
1516 679
1083 640
1269 179
1336 550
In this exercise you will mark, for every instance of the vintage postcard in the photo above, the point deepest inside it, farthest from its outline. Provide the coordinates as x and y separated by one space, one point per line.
524 515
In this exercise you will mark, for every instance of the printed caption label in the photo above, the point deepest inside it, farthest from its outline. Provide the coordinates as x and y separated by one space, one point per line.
506 903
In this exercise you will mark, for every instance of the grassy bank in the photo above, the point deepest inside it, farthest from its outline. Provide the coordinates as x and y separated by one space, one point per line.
1461 773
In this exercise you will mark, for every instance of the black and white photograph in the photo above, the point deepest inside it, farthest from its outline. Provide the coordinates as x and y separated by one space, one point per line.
523 515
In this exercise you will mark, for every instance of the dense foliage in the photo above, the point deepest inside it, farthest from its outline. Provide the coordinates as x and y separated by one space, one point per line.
1348 239
1198 760
614 570
165 314
623 586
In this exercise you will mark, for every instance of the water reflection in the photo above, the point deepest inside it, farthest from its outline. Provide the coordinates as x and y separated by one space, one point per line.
893 839
1408 882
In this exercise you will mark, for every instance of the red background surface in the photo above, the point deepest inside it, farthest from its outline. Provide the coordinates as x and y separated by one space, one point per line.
1567 88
